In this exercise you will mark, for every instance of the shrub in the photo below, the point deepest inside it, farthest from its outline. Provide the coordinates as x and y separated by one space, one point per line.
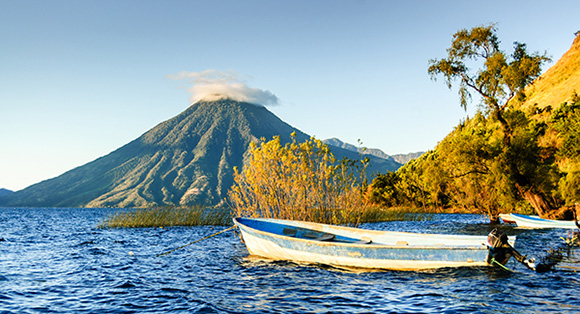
299 181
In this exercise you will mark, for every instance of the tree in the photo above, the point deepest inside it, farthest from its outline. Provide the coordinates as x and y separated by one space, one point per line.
499 79
566 121
301 181
384 191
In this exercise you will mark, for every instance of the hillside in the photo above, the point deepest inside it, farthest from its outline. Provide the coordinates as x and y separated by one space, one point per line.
558 83
5 192
188 159
478 168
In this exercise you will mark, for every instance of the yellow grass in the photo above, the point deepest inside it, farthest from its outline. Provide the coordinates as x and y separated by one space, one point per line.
394 214
557 84
166 217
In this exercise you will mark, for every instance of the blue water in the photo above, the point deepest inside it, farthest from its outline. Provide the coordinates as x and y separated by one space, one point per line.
57 261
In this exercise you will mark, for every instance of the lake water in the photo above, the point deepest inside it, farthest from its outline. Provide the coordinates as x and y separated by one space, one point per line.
57 261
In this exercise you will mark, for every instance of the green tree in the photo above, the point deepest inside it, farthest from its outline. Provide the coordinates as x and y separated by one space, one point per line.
384 191
566 121
499 78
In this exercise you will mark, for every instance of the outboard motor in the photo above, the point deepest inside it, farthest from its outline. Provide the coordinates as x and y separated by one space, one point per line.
500 251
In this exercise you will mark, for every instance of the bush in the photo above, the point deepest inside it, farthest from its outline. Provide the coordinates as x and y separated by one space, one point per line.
299 181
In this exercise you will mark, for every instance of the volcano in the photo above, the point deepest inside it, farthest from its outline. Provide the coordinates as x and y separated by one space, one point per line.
186 160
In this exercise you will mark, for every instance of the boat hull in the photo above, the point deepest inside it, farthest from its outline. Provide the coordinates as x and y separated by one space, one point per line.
525 221
387 250
507 218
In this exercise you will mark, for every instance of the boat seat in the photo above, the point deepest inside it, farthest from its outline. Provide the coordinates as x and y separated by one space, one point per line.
319 236
326 237
289 232
364 240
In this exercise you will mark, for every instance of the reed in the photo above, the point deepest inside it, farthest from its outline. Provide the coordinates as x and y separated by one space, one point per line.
298 181
377 214
167 217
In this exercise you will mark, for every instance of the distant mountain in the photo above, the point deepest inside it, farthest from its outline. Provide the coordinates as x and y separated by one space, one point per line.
370 151
405 158
5 192
399 158
188 159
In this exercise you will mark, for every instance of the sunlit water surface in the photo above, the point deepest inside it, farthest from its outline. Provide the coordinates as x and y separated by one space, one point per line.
57 261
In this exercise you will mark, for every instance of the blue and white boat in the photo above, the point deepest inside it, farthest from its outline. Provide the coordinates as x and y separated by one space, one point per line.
353 247
507 218
525 221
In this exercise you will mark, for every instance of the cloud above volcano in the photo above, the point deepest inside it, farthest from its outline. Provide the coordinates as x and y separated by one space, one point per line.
215 85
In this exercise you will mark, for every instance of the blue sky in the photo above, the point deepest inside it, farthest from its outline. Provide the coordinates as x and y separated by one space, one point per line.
79 79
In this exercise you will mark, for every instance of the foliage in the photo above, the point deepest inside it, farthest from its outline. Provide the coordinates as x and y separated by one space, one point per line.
506 158
517 161
383 191
463 172
301 181
500 78
167 217
470 167
566 121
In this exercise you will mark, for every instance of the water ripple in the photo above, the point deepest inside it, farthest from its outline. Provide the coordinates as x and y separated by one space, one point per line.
56 261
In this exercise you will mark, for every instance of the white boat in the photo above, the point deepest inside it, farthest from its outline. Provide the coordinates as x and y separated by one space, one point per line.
525 221
507 218
352 247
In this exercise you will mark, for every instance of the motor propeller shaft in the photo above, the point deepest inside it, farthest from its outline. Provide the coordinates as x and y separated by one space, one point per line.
500 251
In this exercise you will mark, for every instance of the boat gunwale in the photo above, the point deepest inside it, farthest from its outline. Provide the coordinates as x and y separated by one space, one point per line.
372 245
535 222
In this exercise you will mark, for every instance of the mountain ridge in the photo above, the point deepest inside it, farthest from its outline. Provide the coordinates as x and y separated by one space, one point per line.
399 158
5 192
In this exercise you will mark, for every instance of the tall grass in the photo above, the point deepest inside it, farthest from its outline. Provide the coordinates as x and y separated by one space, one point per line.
376 214
167 217
298 181
200 216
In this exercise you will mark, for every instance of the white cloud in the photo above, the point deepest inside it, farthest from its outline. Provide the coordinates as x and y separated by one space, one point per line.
214 85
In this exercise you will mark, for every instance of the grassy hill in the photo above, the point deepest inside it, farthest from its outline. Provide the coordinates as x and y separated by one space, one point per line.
557 84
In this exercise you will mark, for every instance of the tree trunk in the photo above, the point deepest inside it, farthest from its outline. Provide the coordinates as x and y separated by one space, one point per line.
538 202
493 218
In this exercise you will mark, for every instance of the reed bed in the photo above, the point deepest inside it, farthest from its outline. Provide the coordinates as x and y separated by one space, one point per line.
200 216
376 214
167 217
